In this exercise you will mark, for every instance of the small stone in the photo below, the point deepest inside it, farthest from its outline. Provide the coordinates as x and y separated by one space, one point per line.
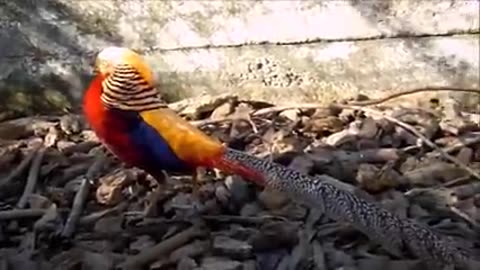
35 142
218 263
207 190
417 211
249 265
222 194
239 190
465 155
368 128
160 264
109 225
143 242
97 261
403 264
290 114
302 163
70 124
325 112
239 232
62 145
51 137
191 250
227 246
274 235
184 204
292 211
273 199
89 135
212 207
250 209
186 263
110 191
377 262
274 259
222 111
330 124
338 258
39 201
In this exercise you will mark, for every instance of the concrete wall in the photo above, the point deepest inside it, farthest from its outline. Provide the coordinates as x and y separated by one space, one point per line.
280 51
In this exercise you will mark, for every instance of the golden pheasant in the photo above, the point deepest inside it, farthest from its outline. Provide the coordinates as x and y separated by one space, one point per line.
131 119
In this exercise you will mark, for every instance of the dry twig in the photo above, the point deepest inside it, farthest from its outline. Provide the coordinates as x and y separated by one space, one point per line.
32 178
457 146
21 214
242 220
82 195
367 102
163 248
414 91
20 168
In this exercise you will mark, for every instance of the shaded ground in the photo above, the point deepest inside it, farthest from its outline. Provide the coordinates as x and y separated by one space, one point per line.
53 218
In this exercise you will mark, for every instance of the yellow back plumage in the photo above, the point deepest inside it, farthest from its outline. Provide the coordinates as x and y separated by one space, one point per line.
187 141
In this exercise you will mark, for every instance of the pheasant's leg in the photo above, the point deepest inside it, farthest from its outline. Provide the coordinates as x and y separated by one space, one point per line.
154 184
195 185
196 196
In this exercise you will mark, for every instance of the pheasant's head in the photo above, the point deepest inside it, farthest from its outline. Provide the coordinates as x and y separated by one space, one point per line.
112 57
126 80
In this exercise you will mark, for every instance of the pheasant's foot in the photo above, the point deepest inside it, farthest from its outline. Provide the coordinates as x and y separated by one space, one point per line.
191 208
195 185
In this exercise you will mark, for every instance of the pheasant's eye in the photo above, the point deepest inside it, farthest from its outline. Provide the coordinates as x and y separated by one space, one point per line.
103 67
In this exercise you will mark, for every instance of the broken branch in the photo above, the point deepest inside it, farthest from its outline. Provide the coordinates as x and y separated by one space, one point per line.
163 248
82 195
32 178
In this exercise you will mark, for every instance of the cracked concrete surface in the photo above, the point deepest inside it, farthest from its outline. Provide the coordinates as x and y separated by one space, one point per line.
280 51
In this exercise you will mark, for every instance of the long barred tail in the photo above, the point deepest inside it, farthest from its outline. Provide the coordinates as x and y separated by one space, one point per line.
394 233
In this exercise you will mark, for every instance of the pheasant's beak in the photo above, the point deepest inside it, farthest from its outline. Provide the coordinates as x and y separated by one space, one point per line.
96 70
